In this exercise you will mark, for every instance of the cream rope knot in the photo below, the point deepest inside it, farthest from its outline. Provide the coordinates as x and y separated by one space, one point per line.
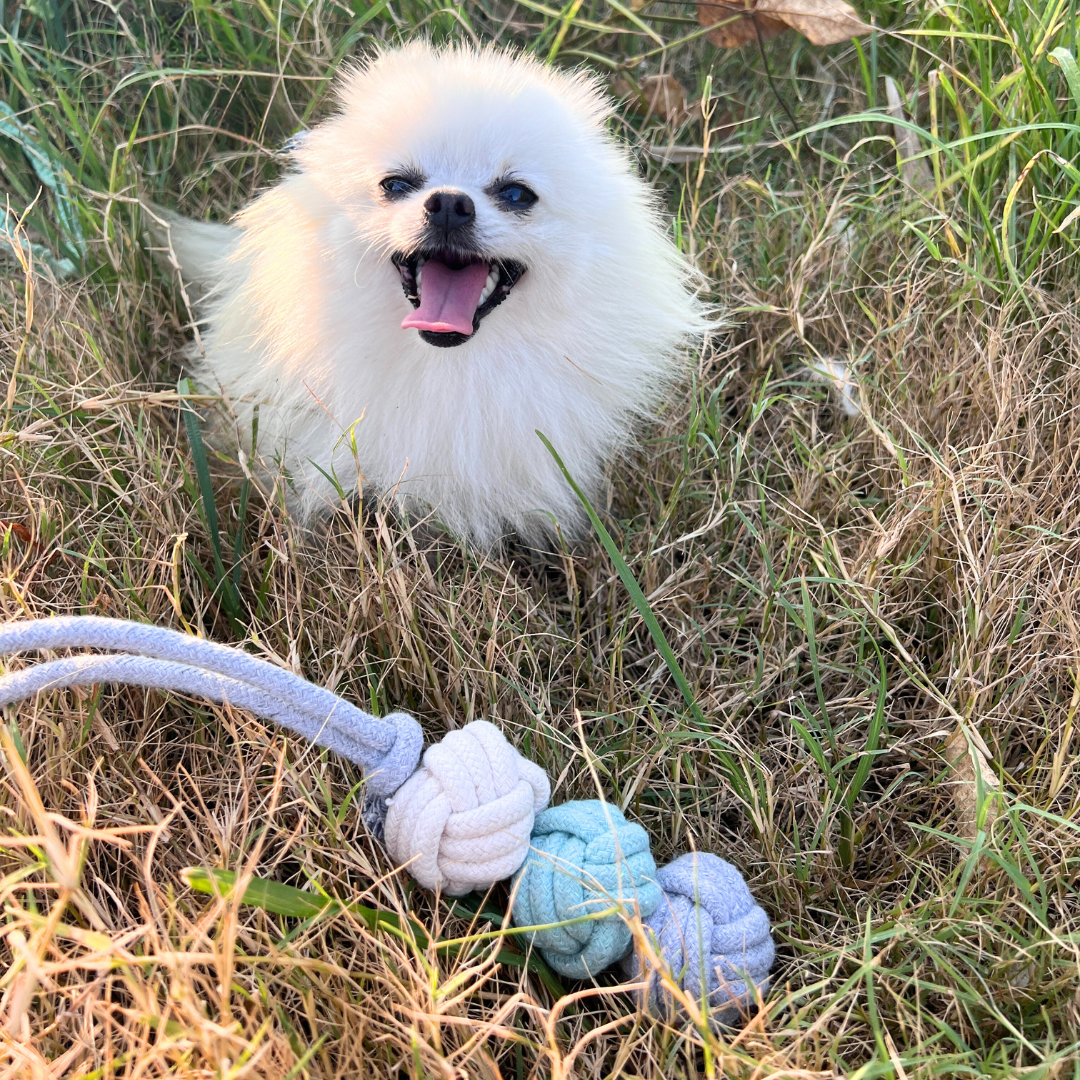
462 821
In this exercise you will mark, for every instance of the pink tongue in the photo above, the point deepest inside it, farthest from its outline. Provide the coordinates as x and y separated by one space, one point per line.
448 298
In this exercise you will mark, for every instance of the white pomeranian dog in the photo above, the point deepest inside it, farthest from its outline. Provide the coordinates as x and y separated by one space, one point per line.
463 256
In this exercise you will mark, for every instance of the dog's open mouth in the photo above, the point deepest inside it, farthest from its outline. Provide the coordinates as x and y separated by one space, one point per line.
452 292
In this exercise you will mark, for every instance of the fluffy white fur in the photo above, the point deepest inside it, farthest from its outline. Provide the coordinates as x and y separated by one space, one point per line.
304 307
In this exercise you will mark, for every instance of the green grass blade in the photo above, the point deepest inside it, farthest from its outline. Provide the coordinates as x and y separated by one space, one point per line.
632 587
294 903
1067 62
873 737
271 896
229 596
734 773
186 388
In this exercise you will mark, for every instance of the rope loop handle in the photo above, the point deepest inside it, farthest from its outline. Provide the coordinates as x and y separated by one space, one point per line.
387 749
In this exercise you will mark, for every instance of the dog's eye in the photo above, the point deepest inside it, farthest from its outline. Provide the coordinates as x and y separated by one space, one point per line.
397 187
515 196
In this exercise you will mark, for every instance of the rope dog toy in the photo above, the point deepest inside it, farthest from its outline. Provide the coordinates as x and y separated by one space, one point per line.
464 819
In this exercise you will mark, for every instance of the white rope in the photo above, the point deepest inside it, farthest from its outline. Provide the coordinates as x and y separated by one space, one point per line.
462 821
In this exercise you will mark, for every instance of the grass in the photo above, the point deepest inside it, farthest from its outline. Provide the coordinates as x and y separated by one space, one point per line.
827 602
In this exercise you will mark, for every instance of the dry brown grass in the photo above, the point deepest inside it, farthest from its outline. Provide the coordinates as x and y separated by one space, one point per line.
944 530
913 568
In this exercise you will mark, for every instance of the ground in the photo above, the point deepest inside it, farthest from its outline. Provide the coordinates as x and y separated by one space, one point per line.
857 525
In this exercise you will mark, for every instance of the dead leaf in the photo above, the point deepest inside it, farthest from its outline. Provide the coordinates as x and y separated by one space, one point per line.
962 756
656 95
20 532
738 24
24 536
822 22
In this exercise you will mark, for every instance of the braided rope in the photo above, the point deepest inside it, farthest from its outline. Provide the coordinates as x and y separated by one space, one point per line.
388 749
586 858
467 818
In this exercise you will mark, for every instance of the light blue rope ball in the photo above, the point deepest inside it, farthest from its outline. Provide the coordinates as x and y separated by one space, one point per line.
713 937
585 857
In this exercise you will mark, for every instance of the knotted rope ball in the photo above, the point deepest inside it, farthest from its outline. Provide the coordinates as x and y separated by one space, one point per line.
462 821
586 858
713 937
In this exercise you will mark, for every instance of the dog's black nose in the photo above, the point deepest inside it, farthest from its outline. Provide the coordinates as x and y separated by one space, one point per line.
449 210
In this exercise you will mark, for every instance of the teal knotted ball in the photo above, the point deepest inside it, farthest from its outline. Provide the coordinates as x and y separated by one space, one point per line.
585 857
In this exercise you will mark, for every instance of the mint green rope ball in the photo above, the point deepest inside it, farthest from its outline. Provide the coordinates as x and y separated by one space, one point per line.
585 857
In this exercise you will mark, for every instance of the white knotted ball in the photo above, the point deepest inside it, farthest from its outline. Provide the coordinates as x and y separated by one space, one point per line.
462 821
